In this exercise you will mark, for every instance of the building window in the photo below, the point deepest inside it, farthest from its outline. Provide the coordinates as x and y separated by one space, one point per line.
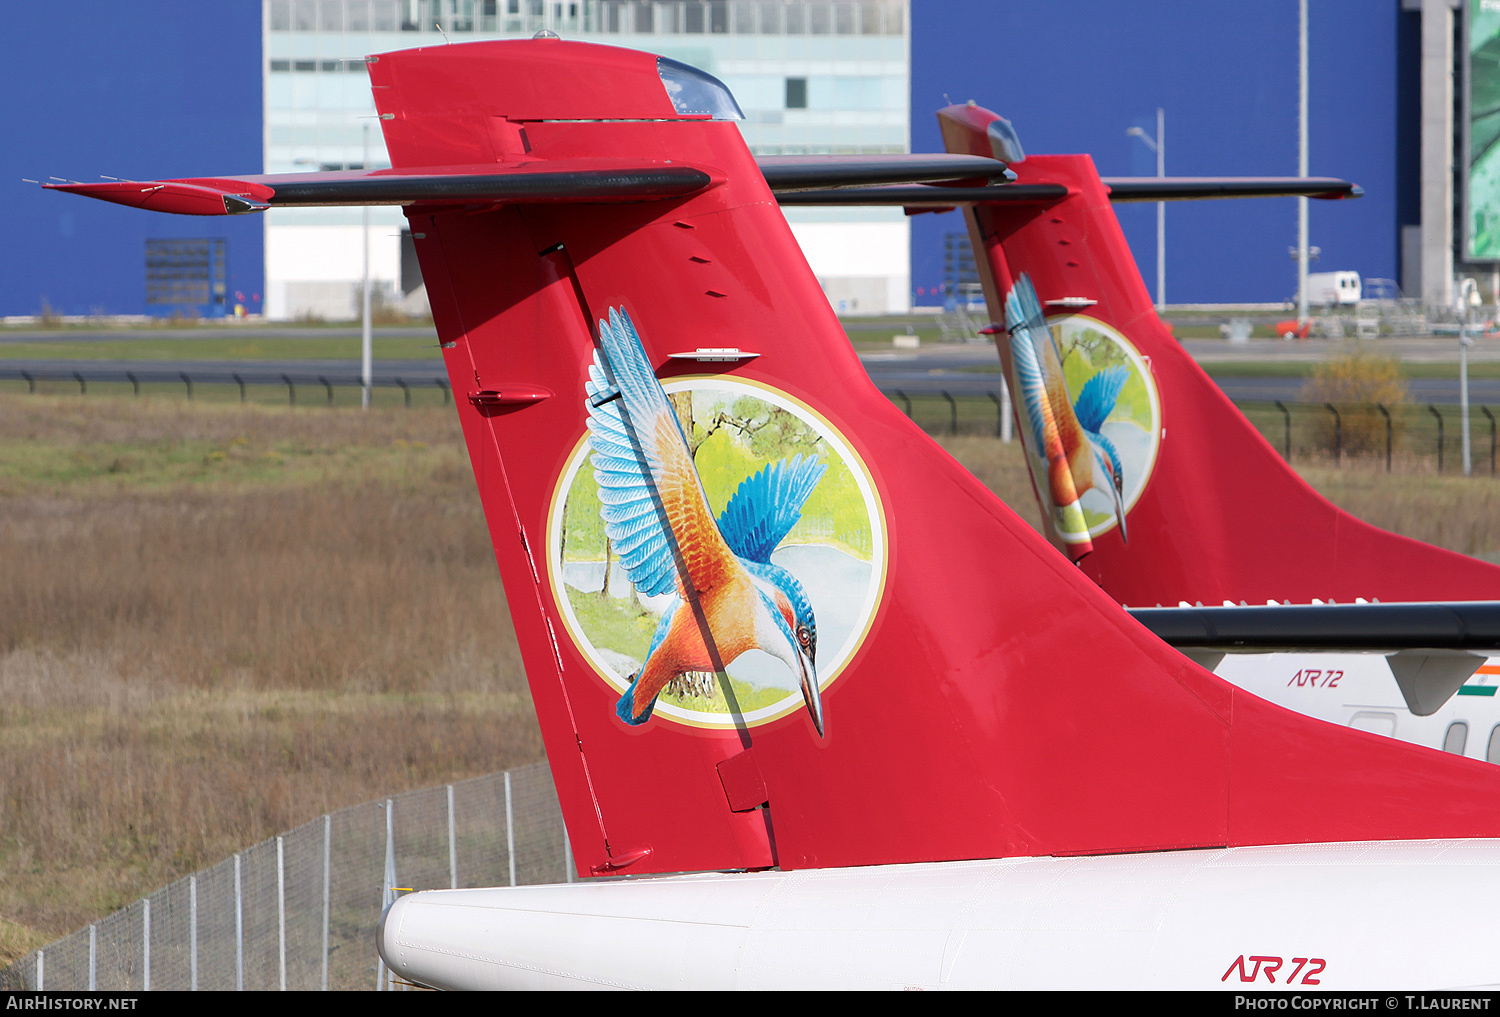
796 93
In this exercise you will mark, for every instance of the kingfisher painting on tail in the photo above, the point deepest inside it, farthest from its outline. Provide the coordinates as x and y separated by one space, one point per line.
1068 434
730 598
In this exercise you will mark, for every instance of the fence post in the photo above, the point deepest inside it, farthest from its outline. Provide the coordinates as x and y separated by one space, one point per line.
452 845
30 382
999 417
291 391
1386 413
327 889
239 928
1433 410
83 388
405 391
280 915
146 943
444 386
241 383
382 973
952 413
193 933
902 396
1338 434
1491 417
1286 420
134 383
510 831
188 382
328 385
93 956
41 971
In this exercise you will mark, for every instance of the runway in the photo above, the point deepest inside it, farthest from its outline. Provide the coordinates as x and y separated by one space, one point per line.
962 370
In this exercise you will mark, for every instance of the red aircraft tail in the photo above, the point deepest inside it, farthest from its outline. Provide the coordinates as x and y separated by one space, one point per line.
646 385
1178 497
766 620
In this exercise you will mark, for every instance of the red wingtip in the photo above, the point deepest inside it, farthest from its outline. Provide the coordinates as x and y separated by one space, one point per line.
171 196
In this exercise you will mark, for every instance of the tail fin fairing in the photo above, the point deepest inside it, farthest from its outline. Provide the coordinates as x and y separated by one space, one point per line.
1214 513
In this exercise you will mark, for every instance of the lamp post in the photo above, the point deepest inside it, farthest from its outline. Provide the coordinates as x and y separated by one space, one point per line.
366 352
1302 251
1158 145
1469 304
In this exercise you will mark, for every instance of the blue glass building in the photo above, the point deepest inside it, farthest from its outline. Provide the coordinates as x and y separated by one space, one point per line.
172 88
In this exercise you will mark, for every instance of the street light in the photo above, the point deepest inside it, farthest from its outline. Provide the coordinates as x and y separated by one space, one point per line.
1469 304
1302 249
366 352
1159 146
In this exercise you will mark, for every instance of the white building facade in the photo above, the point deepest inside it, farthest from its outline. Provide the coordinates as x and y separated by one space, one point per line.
812 76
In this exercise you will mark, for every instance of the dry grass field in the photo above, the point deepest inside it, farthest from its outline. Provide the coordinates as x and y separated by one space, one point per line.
219 621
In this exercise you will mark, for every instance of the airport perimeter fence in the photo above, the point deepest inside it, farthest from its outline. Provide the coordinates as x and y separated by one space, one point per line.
1410 435
1427 436
307 387
299 911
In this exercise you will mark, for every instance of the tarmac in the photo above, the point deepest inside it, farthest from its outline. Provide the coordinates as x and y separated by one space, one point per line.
959 369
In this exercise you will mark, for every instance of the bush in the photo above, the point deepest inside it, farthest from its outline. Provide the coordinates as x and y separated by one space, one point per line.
1354 384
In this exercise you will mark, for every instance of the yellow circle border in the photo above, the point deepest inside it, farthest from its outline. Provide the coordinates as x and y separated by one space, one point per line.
1141 364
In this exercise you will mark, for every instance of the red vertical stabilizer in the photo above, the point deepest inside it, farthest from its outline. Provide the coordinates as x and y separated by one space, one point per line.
1213 513
686 470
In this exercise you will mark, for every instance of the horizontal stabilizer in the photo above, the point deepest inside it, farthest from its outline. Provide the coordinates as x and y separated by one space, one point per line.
1473 625
1120 189
791 172
926 196
1197 188
593 180
530 182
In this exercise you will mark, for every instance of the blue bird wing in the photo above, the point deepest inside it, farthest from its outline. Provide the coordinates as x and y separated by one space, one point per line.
1100 393
1023 318
767 504
650 497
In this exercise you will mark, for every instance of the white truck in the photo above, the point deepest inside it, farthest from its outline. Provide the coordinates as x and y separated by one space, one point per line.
1331 289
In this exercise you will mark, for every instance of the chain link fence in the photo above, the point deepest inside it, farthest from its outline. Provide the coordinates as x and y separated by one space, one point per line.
299 911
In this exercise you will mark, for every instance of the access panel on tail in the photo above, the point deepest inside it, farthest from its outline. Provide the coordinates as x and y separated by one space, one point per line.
1189 502
740 661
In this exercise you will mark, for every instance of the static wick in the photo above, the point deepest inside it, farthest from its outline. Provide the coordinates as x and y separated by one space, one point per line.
439 27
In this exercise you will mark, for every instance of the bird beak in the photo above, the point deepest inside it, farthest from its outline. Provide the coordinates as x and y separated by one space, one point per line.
810 693
1119 497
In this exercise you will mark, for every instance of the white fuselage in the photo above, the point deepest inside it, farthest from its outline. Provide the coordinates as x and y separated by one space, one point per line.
1311 917
1357 690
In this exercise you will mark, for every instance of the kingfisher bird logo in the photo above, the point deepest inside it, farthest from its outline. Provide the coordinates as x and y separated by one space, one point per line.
1091 421
717 549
